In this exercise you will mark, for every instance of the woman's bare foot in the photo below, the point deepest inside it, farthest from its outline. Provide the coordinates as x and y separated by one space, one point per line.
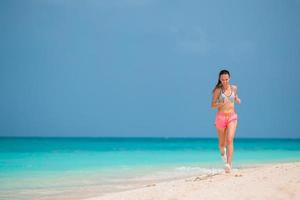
227 168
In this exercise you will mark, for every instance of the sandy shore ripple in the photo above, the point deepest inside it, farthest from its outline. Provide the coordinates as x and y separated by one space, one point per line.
272 182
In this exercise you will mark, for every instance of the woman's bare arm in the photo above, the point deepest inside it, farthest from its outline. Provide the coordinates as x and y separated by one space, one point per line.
214 103
236 98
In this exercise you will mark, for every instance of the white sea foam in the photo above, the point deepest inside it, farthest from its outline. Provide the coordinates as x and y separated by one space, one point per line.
200 170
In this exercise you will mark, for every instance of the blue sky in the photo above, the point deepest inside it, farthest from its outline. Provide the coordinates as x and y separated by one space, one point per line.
147 67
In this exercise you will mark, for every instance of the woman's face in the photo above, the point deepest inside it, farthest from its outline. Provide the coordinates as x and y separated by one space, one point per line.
224 78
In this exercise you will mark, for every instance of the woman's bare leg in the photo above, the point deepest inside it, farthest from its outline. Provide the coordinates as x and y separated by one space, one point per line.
230 137
222 139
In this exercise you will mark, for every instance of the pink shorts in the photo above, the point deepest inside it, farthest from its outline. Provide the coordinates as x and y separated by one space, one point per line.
223 119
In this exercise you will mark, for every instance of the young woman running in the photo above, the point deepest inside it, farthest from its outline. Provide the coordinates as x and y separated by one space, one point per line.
224 97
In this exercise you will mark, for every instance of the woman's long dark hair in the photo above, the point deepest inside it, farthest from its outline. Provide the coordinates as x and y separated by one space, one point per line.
219 84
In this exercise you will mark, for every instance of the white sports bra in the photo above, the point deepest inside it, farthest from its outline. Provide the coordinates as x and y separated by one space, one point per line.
222 96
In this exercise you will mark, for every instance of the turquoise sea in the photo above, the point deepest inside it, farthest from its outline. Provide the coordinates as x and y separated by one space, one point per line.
77 168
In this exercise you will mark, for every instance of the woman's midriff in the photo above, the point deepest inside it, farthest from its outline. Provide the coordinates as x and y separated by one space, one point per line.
227 108
226 112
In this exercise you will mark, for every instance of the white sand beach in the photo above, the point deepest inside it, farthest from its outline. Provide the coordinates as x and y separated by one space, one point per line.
265 182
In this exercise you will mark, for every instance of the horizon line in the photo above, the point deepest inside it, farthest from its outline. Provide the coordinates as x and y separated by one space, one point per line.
146 137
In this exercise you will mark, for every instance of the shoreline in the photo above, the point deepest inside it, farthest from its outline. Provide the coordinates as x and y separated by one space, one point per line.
260 181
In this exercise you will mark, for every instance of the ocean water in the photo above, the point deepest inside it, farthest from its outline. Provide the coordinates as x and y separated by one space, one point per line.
77 168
